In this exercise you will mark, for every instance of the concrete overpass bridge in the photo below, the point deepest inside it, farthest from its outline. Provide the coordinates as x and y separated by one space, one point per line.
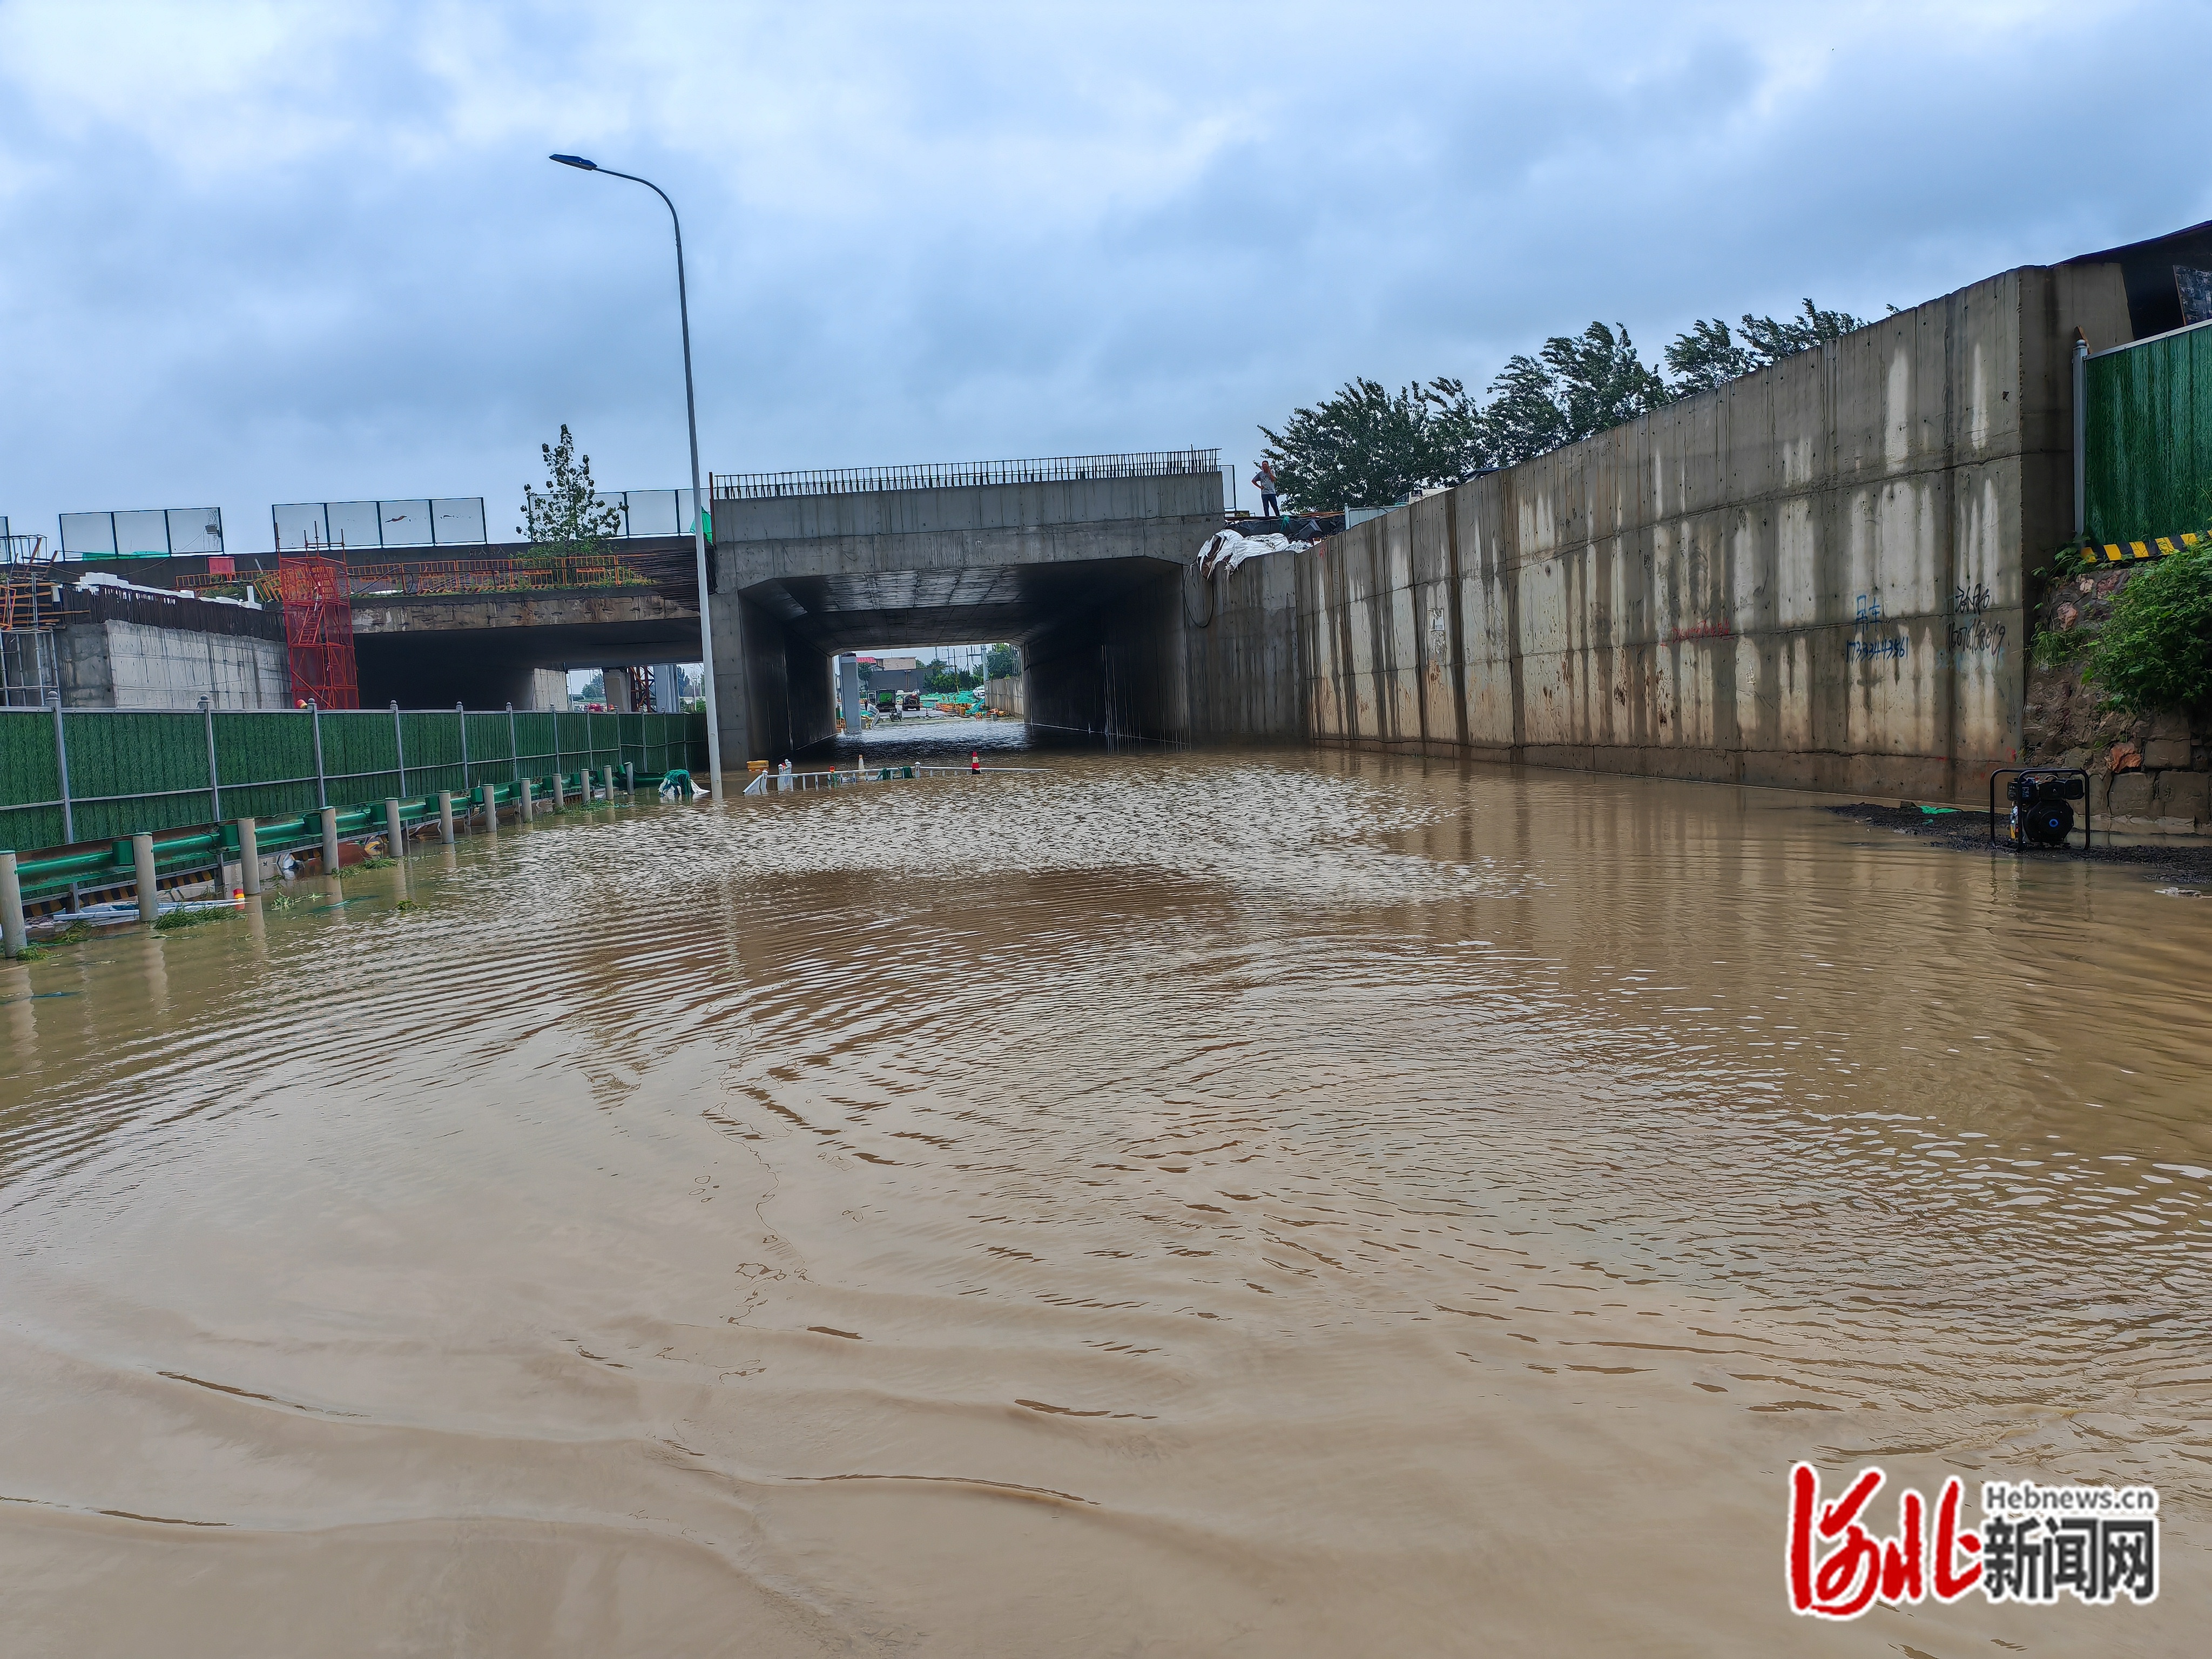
485 629
1080 560
1085 562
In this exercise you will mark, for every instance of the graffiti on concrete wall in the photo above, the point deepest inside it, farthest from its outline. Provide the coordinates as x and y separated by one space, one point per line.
1888 646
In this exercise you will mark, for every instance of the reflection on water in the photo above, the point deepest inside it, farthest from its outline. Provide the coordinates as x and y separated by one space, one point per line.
1195 1203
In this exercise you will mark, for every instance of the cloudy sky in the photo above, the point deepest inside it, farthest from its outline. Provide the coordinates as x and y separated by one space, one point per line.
262 252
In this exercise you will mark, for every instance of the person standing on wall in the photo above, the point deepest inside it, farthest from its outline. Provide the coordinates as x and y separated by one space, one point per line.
1264 482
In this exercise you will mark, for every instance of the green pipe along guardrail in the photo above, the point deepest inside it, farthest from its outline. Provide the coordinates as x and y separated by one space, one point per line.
72 777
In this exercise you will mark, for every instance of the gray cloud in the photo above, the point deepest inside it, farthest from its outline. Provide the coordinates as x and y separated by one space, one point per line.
258 253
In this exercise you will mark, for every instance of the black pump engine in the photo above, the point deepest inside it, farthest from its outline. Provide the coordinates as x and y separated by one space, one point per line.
2042 805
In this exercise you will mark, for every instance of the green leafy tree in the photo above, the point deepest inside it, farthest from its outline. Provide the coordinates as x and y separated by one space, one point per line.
1365 447
1370 446
1577 386
567 518
1001 662
1710 354
2156 651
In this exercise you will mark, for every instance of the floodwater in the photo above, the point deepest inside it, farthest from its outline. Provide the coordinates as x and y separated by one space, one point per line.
1251 1204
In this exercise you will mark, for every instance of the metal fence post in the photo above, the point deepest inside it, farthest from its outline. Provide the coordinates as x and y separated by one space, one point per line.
399 745
61 760
11 908
214 780
148 878
322 789
514 748
2081 437
462 716
249 856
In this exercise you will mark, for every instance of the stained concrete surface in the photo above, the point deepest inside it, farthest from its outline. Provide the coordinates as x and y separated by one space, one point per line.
1814 576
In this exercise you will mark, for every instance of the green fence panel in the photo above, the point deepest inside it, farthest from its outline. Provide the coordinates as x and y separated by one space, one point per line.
536 735
360 755
30 780
2147 464
432 742
267 764
490 759
131 770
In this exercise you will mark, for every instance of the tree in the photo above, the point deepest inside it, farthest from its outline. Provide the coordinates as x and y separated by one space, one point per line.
1577 386
1365 447
567 519
1368 447
1709 355
1001 662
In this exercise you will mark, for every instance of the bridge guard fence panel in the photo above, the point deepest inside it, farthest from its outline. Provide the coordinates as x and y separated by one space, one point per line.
91 775
2147 465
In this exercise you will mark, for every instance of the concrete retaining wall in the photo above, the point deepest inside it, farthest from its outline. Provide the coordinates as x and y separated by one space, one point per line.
1813 576
123 650
1242 677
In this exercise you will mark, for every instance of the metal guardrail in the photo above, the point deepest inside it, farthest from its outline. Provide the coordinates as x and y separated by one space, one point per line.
775 783
73 876
84 775
953 475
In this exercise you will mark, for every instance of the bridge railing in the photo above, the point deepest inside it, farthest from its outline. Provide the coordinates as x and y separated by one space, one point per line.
951 475
95 774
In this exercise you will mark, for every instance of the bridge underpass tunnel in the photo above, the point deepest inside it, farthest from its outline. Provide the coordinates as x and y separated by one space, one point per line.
1078 561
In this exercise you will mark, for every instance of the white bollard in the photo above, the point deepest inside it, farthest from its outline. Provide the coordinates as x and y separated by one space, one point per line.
393 831
446 816
560 794
523 808
142 866
607 781
11 908
249 856
330 841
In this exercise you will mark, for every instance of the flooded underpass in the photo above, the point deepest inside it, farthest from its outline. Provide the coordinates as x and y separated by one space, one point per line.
1256 1203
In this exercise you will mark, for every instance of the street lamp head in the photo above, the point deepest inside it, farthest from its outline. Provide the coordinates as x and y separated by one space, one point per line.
575 161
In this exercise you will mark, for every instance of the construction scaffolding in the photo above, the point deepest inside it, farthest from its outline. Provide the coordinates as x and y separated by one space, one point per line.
318 630
30 607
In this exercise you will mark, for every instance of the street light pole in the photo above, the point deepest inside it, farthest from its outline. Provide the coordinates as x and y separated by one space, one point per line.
698 497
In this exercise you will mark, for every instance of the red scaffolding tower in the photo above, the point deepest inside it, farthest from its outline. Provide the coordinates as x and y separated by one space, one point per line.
319 630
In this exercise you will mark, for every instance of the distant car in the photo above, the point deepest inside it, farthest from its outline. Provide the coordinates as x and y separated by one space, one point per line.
913 700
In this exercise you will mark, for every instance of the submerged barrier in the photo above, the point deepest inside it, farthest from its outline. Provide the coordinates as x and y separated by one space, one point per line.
773 782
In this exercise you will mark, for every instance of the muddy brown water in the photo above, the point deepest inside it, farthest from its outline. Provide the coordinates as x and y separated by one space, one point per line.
1191 1204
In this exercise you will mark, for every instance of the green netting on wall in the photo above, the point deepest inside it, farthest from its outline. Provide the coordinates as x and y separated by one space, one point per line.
129 771
2146 468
